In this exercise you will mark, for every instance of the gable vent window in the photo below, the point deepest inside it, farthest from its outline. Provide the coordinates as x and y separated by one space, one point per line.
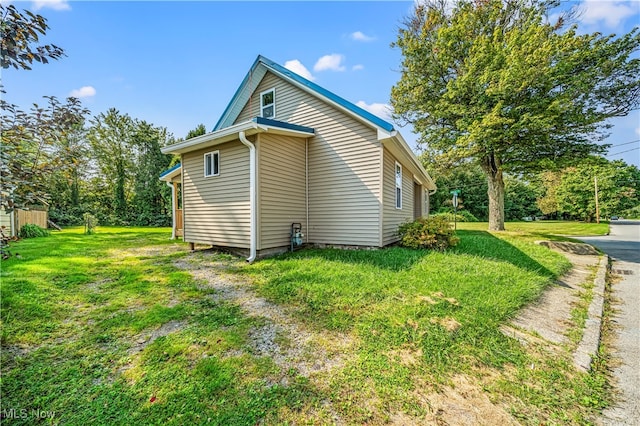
212 164
398 186
268 103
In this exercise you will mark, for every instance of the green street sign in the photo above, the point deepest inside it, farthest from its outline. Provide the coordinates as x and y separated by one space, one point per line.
455 192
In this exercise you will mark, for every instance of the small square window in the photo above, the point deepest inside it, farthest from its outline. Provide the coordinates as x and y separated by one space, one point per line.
212 164
268 103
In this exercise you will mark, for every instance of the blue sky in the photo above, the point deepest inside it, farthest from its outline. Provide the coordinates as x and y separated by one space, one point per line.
177 64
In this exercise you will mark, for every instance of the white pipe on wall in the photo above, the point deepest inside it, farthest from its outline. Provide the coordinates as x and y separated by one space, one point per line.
252 196
173 209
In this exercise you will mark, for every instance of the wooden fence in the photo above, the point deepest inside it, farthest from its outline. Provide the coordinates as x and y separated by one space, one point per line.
36 217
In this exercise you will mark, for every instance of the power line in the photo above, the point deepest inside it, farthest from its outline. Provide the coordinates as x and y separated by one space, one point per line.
626 143
622 152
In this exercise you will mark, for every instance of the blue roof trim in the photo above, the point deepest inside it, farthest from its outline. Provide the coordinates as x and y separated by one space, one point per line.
282 125
245 81
173 169
312 86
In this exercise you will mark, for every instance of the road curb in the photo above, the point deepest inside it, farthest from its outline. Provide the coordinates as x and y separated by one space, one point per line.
588 346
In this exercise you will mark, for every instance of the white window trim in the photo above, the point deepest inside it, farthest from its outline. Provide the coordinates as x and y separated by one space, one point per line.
395 179
262 106
212 153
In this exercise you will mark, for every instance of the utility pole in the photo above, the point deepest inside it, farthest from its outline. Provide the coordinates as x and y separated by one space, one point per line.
595 182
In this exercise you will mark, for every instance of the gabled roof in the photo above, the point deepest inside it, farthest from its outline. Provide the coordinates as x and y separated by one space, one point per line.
251 127
258 70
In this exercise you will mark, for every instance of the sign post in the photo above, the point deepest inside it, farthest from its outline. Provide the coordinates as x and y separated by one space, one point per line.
455 194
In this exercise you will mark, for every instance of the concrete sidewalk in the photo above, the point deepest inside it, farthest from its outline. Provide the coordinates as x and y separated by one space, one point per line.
623 245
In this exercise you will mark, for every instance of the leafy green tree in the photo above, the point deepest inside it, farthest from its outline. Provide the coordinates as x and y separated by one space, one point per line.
198 131
618 189
470 180
28 142
111 139
151 196
547 201
520 199
20 31
65 183
494 82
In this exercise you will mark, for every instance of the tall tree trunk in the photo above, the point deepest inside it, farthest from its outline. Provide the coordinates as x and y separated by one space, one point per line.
75 188
120 196
493 169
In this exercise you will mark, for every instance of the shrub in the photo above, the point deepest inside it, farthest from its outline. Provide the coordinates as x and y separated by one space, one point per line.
68 217
32 231
429 233
462 216
90 223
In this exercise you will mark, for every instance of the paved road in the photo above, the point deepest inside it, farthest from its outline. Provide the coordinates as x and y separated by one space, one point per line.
623 245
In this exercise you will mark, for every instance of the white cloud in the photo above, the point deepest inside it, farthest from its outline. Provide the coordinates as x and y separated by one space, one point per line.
83 92
360 36
297 67
51 4
331 62
638 131
611 13
358 67
380 110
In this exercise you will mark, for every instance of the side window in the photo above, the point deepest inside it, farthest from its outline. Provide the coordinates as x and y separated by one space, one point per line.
268 103
398 186
212 164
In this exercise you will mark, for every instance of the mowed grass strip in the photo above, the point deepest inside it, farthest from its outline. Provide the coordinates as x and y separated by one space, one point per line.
77 312
550 229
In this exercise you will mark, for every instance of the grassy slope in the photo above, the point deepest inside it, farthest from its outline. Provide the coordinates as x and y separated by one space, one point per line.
80 302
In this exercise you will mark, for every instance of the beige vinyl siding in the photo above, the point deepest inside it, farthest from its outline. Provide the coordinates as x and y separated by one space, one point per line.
281 188
344 165
392 216
216 209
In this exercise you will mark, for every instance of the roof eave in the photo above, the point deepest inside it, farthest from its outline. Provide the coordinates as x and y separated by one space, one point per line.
171 173
231 133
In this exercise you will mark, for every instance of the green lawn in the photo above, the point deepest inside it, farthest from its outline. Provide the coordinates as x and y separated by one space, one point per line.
546 228
76 310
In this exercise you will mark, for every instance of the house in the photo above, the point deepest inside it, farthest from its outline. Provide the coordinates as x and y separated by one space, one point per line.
286 151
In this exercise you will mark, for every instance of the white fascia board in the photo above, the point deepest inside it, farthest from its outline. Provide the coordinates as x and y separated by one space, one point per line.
227 134
281 131
206 139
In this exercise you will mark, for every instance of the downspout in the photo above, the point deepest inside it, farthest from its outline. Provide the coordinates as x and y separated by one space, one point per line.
12 218
306 185
173 209
252 196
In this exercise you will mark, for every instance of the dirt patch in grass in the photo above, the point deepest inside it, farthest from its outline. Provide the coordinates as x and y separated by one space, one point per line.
146 251
290 345
464 403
